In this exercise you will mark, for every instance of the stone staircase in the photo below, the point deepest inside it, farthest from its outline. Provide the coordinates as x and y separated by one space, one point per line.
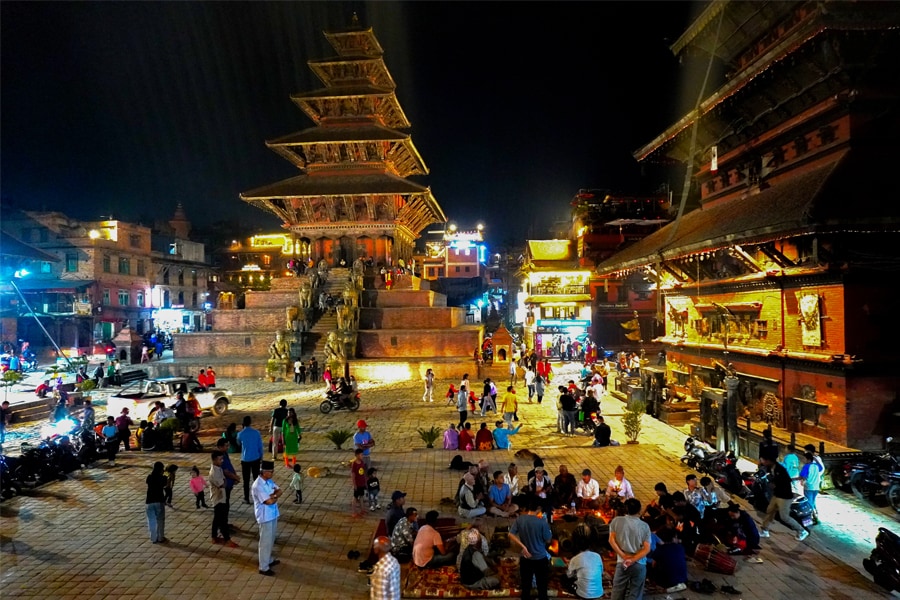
314 340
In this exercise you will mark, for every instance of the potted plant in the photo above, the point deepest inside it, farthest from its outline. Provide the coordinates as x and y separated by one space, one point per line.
338 436
85 387
634 413
10 378
429 436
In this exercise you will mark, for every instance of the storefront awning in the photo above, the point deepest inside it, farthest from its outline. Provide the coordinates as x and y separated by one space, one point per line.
63 286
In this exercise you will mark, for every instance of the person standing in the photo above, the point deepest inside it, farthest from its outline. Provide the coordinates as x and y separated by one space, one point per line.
123 424
298 368
217 483
569 407
811 477
278 417
87 416
156 508
291 434
462 405
231 476
529 382
5 415
532 534
513 373
428 396
210 377
782 496
265 506
630 540
385 579
203 380
363 440
110 438
251 454
509 405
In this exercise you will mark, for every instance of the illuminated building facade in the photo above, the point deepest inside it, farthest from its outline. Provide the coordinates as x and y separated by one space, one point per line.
353 198
555 301
787 268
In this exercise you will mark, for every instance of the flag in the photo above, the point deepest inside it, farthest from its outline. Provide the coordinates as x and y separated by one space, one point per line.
715 159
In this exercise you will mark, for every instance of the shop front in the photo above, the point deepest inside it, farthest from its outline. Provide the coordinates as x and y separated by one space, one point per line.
561 338
179 320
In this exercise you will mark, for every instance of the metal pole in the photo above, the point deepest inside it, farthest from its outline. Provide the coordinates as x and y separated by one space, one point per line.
41 325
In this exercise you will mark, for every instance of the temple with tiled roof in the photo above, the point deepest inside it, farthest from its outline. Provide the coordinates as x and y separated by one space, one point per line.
353 198
786 268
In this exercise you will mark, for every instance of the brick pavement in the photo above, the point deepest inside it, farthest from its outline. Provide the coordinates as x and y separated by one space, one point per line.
86 537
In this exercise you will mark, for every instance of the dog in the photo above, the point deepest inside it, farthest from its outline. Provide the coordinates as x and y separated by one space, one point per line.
528 455
458 464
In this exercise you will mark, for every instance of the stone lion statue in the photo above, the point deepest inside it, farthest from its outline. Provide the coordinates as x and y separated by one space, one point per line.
305 294
280 349
333 351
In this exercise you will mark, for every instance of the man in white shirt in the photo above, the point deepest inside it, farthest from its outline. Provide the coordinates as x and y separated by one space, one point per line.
588 491
265 494
511 478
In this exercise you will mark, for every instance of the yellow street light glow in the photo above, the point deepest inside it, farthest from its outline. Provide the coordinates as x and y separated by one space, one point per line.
93 234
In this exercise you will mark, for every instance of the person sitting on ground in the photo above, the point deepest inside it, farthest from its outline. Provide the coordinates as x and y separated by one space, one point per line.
585 569
588 491
462 539
540 488
714 497
395 511
619 486
483 439
451 438
502 433
485 478
477 488
405 534
687 522
466 441
738 531
470 503
652 512
474 572
564 488
667 563
501 503
602 433
693 493
428 548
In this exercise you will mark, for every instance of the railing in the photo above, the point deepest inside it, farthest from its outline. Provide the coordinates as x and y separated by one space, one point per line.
559 290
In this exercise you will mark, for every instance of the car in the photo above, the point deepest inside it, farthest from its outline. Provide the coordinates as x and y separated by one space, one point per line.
140 397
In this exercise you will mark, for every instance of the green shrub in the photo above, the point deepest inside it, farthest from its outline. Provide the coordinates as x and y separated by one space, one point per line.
429 436
632 419
339 436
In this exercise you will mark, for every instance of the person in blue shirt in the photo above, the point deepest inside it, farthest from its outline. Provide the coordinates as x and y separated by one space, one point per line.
501 435
501 503
251 455
532 534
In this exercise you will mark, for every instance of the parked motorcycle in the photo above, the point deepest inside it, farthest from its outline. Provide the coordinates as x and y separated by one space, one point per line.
732 480
884 562
337 401
9 485
695 452
875 479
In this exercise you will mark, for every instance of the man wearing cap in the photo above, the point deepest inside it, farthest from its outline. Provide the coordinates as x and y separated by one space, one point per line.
396 510
385 581
364 440
265 506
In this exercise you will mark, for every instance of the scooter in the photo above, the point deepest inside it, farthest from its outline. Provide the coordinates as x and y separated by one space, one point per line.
9 485
695 451
337 401
884 562
760 495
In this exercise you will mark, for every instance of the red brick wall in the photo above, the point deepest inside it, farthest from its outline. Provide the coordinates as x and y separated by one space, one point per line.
383 343
223 345
412 318
402 298
831 311
270 299
249 319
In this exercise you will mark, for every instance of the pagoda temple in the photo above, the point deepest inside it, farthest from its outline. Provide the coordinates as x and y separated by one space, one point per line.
353 198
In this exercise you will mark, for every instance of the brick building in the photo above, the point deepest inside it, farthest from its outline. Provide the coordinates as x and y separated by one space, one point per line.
786 269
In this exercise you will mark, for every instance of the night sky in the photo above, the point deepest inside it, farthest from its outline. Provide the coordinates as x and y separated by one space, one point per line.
128 108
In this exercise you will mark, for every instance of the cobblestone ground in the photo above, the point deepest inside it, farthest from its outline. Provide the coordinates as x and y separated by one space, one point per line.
86 537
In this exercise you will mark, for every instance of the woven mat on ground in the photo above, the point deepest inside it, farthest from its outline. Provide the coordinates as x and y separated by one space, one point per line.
444 582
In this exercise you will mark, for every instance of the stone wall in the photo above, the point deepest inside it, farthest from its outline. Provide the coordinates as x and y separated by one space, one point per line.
248 319
402 298
412 318
249 344
271 299
419 343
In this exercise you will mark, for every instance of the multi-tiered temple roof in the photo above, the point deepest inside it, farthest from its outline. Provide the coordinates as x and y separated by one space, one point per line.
355 162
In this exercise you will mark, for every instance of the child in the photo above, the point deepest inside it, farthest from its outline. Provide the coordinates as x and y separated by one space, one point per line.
198 484
451 395
373 487
170 484
358 480
297 484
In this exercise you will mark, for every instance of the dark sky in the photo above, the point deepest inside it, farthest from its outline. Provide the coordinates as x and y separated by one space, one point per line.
128 108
